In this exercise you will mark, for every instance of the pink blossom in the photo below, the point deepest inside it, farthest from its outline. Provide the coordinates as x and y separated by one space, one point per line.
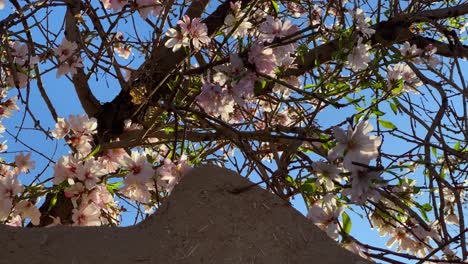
10 104
148 7
90 173
171 173
66 49
138 167
82 124
113 158
7 108
316 15
284 90
100 196
356 249
22 55
284 55
136 190
74 191
123 51
20 81
412 51
176 40
2 4
23 163
401 71
199 34
191 30
28 210
3 146
55 221
363 185
68 61
355 145
19 77
326 174
402 239
233 20
115 5
65 169
359 57
139 180
87 215
275 28
362 22
215 100
243 91
15 221
325 215
296 9
61 128
263 58
9 187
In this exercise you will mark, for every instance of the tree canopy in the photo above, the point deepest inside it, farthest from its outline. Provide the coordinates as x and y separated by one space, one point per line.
357 108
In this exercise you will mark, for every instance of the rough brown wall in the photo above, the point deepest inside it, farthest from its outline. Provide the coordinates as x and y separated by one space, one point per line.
202 222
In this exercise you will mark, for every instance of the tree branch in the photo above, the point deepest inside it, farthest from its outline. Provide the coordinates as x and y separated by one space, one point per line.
88 101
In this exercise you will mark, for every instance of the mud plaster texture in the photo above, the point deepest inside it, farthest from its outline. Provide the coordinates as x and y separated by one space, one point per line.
201 222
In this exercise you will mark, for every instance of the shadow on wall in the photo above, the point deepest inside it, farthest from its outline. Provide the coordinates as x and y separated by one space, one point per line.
201 222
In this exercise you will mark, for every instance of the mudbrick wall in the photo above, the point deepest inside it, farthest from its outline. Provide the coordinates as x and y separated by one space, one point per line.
203 221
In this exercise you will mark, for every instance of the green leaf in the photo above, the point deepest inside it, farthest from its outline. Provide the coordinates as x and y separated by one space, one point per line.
169 130
378 112
426 207
291 180
424 215
394 108
112 187
457 146
94 152
275 6
346 222
53 202
387 124
259 86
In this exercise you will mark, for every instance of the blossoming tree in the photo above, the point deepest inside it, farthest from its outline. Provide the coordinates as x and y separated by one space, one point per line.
358 108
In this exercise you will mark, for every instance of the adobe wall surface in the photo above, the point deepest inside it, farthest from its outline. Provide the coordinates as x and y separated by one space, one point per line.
202 222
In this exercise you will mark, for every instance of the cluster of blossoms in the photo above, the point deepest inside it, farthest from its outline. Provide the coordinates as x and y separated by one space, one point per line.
359 57
144 7
406 235
19 76
80 129
85 176
401 72
14 208
232 85
419 56
362 22
69 59
191 31
325 213
235 23
356 149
